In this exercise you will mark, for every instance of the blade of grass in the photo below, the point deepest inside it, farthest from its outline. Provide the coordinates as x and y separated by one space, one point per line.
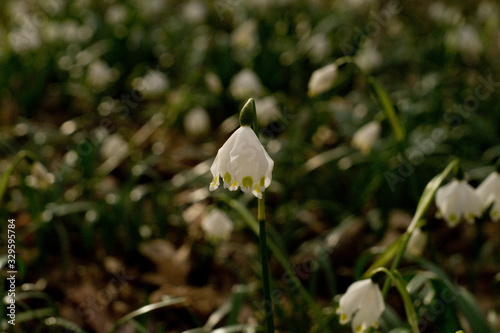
464 300
390 112
145 309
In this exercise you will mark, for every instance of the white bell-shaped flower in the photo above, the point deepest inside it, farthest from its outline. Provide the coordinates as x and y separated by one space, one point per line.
457 200
322 80
243 162
366 136
489 193
216 225
362 304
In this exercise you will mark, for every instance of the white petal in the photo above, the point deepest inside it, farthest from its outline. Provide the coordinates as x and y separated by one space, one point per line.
366 136
458 200
248 158
353 297
371 309
221 163
489 190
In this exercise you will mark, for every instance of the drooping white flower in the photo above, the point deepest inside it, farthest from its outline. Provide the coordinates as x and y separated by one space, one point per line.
366 136
362 304
489 193
322 80
242 162
216 225
457 200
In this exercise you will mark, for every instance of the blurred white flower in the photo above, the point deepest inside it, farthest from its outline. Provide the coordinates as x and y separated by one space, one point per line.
488 11
469 42
267 110
197 122
243 162
114 145
116 14
216 225
100 75
362 304
368 58
489 193
40 177
366 136
322 80
24 38
213 83
194 12
443 13
457 200
150 9
416 243
154 84
244 39
245 84
319 47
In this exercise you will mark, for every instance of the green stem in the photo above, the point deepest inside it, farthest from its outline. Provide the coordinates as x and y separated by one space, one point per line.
261 216
280 256
400 284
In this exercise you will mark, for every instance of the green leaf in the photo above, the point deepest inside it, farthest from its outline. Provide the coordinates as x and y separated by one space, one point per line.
387 255
400 284
462 297
34 314
146 309
64 323
429 192
388 108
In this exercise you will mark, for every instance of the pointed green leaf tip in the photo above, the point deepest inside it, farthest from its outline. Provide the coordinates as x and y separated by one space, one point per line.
247 113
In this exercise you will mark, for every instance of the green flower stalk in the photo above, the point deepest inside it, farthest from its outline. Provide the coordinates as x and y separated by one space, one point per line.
242 162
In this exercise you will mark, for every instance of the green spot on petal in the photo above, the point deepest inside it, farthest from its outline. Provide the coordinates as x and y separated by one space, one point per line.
470 216
452 218
227 177
247 181
262 181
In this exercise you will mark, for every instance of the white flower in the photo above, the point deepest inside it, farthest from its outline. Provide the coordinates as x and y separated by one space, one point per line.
366 136
216 225
243 162
489 193
322 80
457 200
363 304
